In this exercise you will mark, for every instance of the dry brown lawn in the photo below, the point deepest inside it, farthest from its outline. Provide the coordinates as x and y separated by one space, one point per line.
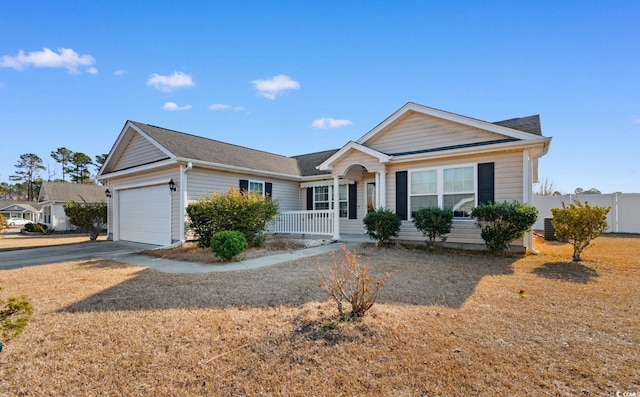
12 239
447 323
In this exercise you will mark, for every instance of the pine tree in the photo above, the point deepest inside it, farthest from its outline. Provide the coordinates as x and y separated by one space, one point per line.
28 167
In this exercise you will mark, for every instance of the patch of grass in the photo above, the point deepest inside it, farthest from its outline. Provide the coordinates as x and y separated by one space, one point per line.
445 324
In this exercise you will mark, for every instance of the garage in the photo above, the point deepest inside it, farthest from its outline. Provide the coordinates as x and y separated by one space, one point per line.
145 215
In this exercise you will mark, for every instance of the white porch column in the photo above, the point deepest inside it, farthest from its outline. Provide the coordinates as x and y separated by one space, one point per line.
377 205
527 195
383 189
336 207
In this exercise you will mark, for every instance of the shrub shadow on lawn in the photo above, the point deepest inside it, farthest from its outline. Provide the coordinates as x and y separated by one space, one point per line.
567 271
417 278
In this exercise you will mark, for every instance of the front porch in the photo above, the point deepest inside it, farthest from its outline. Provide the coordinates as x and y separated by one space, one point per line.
314 223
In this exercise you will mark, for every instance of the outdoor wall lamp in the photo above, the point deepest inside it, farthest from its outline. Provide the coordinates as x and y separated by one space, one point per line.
107 193
172 186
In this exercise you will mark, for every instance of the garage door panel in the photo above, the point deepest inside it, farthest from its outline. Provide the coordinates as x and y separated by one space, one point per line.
145 215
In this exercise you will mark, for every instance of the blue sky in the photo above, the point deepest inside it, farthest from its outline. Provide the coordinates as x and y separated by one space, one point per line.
294 77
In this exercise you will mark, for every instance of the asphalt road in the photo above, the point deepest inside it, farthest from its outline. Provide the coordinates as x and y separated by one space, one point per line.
70 252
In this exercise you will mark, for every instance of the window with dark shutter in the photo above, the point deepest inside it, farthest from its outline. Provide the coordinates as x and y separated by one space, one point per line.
244 185
401 195
353 201
486 183
268 189
309 199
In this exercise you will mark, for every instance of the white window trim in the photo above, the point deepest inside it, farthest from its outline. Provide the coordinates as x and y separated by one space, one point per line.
330 193
440 185
264 186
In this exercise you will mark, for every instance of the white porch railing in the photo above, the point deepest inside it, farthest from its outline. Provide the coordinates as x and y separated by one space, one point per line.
304 222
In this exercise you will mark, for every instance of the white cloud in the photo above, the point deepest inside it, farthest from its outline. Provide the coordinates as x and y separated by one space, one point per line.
635 120
328 122
271 88
173 107
120 72
220 106
64 58
170 83
92 70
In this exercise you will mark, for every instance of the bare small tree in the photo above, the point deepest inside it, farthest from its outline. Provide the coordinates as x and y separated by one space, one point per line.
546 188
350 281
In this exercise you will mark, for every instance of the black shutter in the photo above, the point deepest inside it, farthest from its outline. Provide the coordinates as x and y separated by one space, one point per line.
244 185
401 195
486 183
353 201
268 189
309 199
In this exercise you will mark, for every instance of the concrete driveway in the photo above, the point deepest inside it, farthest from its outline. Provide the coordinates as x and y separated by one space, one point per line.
70 252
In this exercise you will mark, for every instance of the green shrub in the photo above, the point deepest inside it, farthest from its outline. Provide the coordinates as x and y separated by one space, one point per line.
350 281
504 222
382 224
228 244
433 222
245 212
579 224
87 217
36 227
14 315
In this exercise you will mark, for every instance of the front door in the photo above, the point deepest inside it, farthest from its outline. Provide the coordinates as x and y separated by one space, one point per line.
370 196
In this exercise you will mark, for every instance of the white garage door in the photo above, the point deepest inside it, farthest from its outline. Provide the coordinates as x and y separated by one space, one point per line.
145 215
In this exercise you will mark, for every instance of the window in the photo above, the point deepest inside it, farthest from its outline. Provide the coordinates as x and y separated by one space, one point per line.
424 190
323 199
256 187
343 200
451 188
459 190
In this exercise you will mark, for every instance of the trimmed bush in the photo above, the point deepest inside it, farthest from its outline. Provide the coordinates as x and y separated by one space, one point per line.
87 217
228 244
3 223
36 228
504 222
382 224
245 212
433 222
579 224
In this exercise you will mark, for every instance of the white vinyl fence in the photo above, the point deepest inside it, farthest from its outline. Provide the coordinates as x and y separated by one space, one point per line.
624 216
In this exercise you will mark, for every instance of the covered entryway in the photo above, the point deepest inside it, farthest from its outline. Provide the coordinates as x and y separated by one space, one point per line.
145 215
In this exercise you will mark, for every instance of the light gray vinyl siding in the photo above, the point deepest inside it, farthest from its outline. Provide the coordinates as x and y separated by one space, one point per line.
203 182
419 132
508 187
137 152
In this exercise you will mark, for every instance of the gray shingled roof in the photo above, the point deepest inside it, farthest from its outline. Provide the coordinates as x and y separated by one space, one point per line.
204 149
308 162
62 192
194 147
530 124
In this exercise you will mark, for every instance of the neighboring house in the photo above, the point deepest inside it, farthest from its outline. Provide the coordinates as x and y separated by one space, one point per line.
417 157
17 209
53 196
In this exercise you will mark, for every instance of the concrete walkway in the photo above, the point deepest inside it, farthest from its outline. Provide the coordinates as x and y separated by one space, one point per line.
172 266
